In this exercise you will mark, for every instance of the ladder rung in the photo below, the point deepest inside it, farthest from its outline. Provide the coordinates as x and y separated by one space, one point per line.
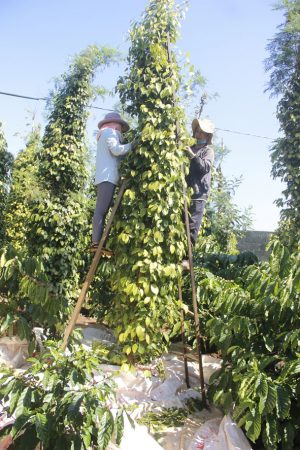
103 252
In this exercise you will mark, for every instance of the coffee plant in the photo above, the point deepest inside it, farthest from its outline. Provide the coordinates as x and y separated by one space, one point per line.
149 236
25 297
256 326
58 404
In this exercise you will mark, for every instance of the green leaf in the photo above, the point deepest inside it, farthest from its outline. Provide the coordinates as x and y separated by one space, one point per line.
41 428
172 249
270 433
28 439
283 402
288 436
105 431
7 322
73 408
154 289
253 425
271 399
140 332
119 427
23 401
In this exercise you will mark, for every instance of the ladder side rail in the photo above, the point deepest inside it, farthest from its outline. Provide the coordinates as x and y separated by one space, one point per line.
93 267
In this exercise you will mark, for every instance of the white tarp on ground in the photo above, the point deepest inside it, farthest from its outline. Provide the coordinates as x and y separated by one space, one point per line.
204 430
135 438
13 351
219 434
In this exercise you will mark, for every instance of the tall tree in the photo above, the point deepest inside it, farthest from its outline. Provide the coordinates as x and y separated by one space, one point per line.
58 216
284 64
149 241
6 160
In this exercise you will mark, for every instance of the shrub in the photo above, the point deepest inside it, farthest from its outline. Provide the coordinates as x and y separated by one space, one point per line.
57 403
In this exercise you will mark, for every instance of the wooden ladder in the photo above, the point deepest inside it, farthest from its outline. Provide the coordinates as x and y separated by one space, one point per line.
93 268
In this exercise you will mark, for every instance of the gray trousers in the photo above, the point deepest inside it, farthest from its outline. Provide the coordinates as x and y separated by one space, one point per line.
105 194
196 215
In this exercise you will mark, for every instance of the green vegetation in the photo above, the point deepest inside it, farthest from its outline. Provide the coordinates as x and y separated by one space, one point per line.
58 218
23 191
149 237
249 311
256 326
284 64
223 221
58 404
6 160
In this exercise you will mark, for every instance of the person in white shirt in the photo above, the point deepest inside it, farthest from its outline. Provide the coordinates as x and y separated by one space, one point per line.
110 149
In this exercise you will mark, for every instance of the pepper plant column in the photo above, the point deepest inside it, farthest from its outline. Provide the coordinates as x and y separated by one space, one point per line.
149 238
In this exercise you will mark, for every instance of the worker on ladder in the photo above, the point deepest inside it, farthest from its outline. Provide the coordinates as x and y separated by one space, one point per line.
199 177
110 149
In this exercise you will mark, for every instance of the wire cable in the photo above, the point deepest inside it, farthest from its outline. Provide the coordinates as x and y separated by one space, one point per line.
107 109
246 134
46 99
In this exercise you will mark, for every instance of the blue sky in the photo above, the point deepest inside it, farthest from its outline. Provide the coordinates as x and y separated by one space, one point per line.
226 40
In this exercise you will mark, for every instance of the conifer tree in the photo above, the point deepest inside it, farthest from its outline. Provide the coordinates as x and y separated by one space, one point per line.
6 160
149 241
58 217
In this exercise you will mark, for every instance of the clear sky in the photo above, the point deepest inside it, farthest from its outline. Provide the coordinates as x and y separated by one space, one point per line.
226 40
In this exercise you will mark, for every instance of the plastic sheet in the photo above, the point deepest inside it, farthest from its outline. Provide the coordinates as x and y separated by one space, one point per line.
5 421
13 351
205 430
135 439
219 434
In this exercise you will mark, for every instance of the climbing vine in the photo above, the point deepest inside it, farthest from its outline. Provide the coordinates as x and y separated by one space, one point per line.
6 160
58 219
23 190
284 66
149 237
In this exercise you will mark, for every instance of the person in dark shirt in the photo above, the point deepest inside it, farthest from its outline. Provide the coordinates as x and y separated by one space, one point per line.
199 178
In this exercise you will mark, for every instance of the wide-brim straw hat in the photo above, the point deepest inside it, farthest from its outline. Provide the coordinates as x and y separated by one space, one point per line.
114 117
205 125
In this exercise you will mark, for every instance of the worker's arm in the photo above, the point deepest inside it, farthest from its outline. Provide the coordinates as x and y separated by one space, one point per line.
114 146
204 164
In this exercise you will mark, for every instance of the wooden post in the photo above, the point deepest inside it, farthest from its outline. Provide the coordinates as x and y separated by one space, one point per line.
190 254
93 268
185 360
194 299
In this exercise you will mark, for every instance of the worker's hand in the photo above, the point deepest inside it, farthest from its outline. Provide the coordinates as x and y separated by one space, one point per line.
189 152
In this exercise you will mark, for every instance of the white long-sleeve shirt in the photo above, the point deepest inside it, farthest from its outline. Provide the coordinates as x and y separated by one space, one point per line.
109 151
